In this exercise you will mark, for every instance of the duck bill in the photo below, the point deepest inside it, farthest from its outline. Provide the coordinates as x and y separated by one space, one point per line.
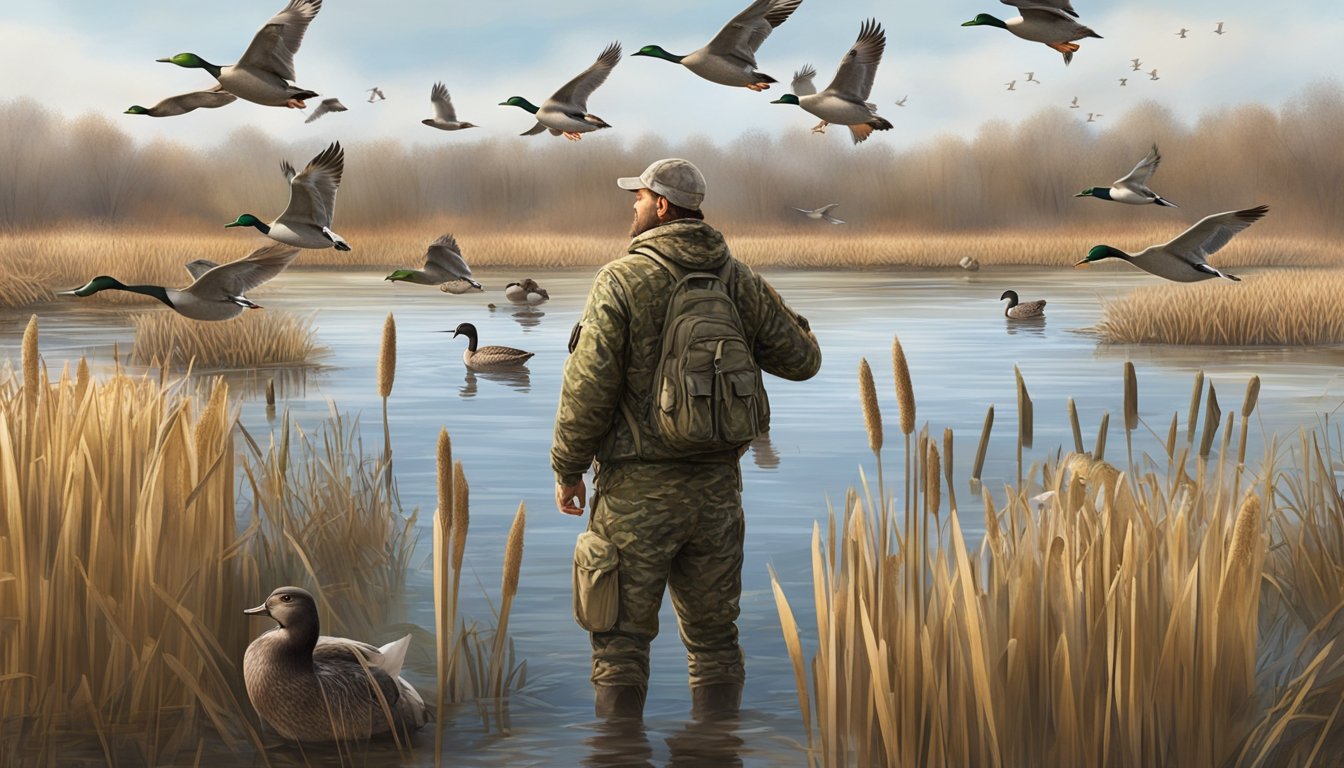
1082 263
164 61
260 610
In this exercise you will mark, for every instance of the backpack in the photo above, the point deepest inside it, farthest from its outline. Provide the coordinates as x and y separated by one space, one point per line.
707 394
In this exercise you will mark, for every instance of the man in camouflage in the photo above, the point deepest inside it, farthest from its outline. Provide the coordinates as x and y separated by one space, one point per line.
675 518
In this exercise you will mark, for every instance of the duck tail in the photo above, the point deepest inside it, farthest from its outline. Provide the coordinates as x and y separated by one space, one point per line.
1162 201
880 124
860 132
302 95
595 120
761 77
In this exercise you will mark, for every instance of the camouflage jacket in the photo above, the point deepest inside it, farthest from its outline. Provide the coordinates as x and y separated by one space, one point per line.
614 348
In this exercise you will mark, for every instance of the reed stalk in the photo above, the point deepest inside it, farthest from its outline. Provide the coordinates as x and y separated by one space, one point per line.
445 622
1076 426
1192 419
983 447
1247 408
872 419
1131 404
513 563
28 359
387 373
1213 418
1099 452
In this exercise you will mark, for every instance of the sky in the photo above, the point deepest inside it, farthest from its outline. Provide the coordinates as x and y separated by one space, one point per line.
78 56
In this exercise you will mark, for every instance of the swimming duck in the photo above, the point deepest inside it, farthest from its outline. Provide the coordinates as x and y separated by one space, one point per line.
566 112
845 100
730 58
1025 310
1185 258
310 687
1051 22
186 102
821 214
970 264
445 117
306 221
444 265
1133 189
327 105
526 292
266 70
488 358
216 292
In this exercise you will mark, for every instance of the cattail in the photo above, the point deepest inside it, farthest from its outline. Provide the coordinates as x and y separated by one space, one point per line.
1131 398
1100 452
445 473
1077 427
1252 396
387 358
984 444
933 482
1213 418
1245 535
1024 411
905 392
947 456
1171 436
461 515
270 393
513 552
82 377
29 357
1193 418
872 416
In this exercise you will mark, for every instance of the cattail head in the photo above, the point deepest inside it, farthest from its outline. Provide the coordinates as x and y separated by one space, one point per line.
947 455
461 516
513 552
445 474
933 480
81 377
1252 395
29 358
905 391
1131 398
872 416
1245 536
1193 418
1213 418
270 393
387 358
1024 411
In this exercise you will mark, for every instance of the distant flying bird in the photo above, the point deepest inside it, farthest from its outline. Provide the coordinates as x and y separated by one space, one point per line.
730 58
376 93
1133 189
1022 310
1153 75
1031 78
445 117
217 292
1012 85
1092 116
488 358
1219 29
845 100
1074 105
327 105
901 103
265 73
821 214
1051 22
1181 34
306 221
443 265
1185 258
566 112
184 103
1124 81
1135 64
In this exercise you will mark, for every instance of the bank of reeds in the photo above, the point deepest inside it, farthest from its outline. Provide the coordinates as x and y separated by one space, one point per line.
1169 614
1292 308
254 339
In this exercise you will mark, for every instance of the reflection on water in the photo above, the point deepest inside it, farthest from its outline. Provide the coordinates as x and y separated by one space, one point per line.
519 379
618 742
763 452
1033 326
528 318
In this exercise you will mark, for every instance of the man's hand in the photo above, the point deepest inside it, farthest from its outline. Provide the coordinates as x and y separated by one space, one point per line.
564 496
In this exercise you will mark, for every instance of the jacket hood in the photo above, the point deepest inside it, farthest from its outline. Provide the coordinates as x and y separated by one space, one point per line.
689 242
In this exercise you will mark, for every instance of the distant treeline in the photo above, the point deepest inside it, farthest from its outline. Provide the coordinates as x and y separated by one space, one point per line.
56 169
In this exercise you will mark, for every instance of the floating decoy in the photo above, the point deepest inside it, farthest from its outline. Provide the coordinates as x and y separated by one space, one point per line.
969 263
488 358
306 221
1185 258
1022 310
730 58
526 292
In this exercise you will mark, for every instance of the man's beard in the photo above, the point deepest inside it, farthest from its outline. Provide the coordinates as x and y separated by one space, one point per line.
643 224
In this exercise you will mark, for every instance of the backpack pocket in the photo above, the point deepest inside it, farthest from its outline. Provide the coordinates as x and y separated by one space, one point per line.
740 413
597 596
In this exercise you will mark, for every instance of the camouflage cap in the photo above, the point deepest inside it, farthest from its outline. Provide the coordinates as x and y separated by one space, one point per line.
676 179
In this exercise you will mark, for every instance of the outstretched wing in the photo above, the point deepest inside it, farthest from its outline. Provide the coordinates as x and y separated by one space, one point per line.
274 45
186 102
327 105
1143 171
238 277
443 104
1060 5
312 194
1205 238
854 78
740 38
444 258
576 92
200 267
802 84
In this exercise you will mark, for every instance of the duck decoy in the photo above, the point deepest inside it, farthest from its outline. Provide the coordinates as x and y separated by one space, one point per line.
488 358
1022 310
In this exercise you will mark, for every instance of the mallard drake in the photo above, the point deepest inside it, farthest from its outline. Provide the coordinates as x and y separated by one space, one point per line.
1052 22
186 102
216 292
265 73
327 105
310 687
845 100
821 214
1184 259
445 117
306 222
444 265
1022 310
566 112
1133 189
526 292
730 58
488 358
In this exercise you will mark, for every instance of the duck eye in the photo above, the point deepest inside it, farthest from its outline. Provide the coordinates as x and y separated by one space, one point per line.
284 598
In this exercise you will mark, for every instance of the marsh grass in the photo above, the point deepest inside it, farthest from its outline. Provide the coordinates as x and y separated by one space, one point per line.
254 339
1292 308
1148 617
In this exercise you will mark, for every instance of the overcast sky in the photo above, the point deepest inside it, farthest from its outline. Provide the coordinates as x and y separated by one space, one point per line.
77 56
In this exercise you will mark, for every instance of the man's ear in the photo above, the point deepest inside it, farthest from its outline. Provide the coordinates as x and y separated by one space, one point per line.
663 206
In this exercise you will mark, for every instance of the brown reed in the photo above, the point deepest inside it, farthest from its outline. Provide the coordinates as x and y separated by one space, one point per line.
1099 452
251 340
513 564
872 415
933 483
1213 416
1192 419
983 447
31 385
905 391
81 377
1131 398
1076 426
444 621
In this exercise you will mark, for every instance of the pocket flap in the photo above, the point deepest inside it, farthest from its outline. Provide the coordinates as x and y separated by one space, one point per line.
699 386
743 383
594 553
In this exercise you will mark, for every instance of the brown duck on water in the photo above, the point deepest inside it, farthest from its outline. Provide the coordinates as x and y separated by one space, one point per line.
488 358
309 687
1024 310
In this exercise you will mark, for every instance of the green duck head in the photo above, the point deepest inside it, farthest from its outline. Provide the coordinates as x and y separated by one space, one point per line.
519 101
1100 252
984 19
97 284
787 98
400 274
248 220
136 109
658 53
1089 192
188 60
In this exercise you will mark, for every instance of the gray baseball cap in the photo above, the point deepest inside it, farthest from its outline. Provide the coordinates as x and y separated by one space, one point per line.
676 179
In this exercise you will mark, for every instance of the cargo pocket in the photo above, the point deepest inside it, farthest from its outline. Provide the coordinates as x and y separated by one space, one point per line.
740 417
596 584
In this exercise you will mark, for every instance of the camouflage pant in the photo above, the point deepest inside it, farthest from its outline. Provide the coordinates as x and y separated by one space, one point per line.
679 525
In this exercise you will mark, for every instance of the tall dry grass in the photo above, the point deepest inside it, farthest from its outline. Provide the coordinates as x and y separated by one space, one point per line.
1293 308
1164 615
251 340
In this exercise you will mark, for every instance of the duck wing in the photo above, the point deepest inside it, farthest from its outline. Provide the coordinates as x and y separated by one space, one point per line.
1138 178
236 278
1211 233
742 36
186 102
1045 14
274 45
488 356
575 93
312 194
336 661
327 105
443 104
200 267
1059 5
854 78
802 84
444 259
